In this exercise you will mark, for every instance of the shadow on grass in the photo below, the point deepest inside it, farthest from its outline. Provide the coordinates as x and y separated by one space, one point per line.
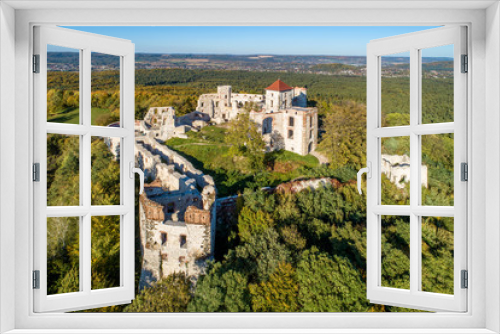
69 115
228 182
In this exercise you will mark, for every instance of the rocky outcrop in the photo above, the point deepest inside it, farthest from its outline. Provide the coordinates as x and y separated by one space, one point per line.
297 186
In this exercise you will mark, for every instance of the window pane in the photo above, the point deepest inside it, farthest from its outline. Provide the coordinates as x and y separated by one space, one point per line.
437 84
437 254
105 90
63 259
105 170
105 252
63 85
395 251
395 170
437 170
63 170
395 89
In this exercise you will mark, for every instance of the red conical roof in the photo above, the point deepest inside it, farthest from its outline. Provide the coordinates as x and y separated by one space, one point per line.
279 86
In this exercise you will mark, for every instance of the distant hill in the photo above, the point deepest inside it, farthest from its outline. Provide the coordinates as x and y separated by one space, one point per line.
69 61
334 68
431 66
438 66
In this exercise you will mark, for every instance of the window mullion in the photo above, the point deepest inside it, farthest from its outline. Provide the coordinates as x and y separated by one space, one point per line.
86 175
85 158
414 171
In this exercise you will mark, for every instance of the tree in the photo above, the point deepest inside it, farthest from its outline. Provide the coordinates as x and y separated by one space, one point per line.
329 284
292 237
62 254
63 170
105 175
257 200
54 101
251 223
221 290
350 241
245 138
344 139
437 254
251 106
278 294
286 210
324 203
168 295
395 255
105 251
259 256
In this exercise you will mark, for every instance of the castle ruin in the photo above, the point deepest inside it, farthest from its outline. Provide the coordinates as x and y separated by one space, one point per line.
281 114
397 170
176 213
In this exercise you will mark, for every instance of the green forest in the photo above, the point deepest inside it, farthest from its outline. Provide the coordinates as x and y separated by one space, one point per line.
280 252
63 232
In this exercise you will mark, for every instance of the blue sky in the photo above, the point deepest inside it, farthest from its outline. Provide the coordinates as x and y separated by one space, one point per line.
318 40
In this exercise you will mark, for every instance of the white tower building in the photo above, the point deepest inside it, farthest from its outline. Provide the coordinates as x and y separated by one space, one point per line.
278 96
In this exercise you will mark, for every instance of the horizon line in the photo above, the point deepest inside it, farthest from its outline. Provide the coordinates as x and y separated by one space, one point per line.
252 54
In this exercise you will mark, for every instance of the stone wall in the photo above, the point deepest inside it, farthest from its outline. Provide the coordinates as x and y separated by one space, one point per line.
299 97
397 170
161 123
151 261
276 128
225 105
150 147
197 216
180 248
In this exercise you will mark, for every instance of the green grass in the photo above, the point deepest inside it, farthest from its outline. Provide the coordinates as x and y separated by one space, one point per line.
71 116
201 156
287 156
173 142
210 134
207 151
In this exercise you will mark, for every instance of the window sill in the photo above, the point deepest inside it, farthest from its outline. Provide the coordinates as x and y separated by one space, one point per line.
253 331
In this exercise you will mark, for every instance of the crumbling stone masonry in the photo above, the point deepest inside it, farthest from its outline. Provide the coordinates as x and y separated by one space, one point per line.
397 170
176 213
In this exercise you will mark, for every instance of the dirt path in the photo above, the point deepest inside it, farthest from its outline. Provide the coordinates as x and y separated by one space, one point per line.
322 159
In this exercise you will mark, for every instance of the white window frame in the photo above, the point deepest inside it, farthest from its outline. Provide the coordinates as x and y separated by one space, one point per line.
86 43
484 102
414 43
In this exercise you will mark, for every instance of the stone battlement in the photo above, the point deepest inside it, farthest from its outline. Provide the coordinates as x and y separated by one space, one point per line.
197 216
152 210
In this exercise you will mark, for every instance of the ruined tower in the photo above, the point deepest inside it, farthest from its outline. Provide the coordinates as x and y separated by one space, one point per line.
224 93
